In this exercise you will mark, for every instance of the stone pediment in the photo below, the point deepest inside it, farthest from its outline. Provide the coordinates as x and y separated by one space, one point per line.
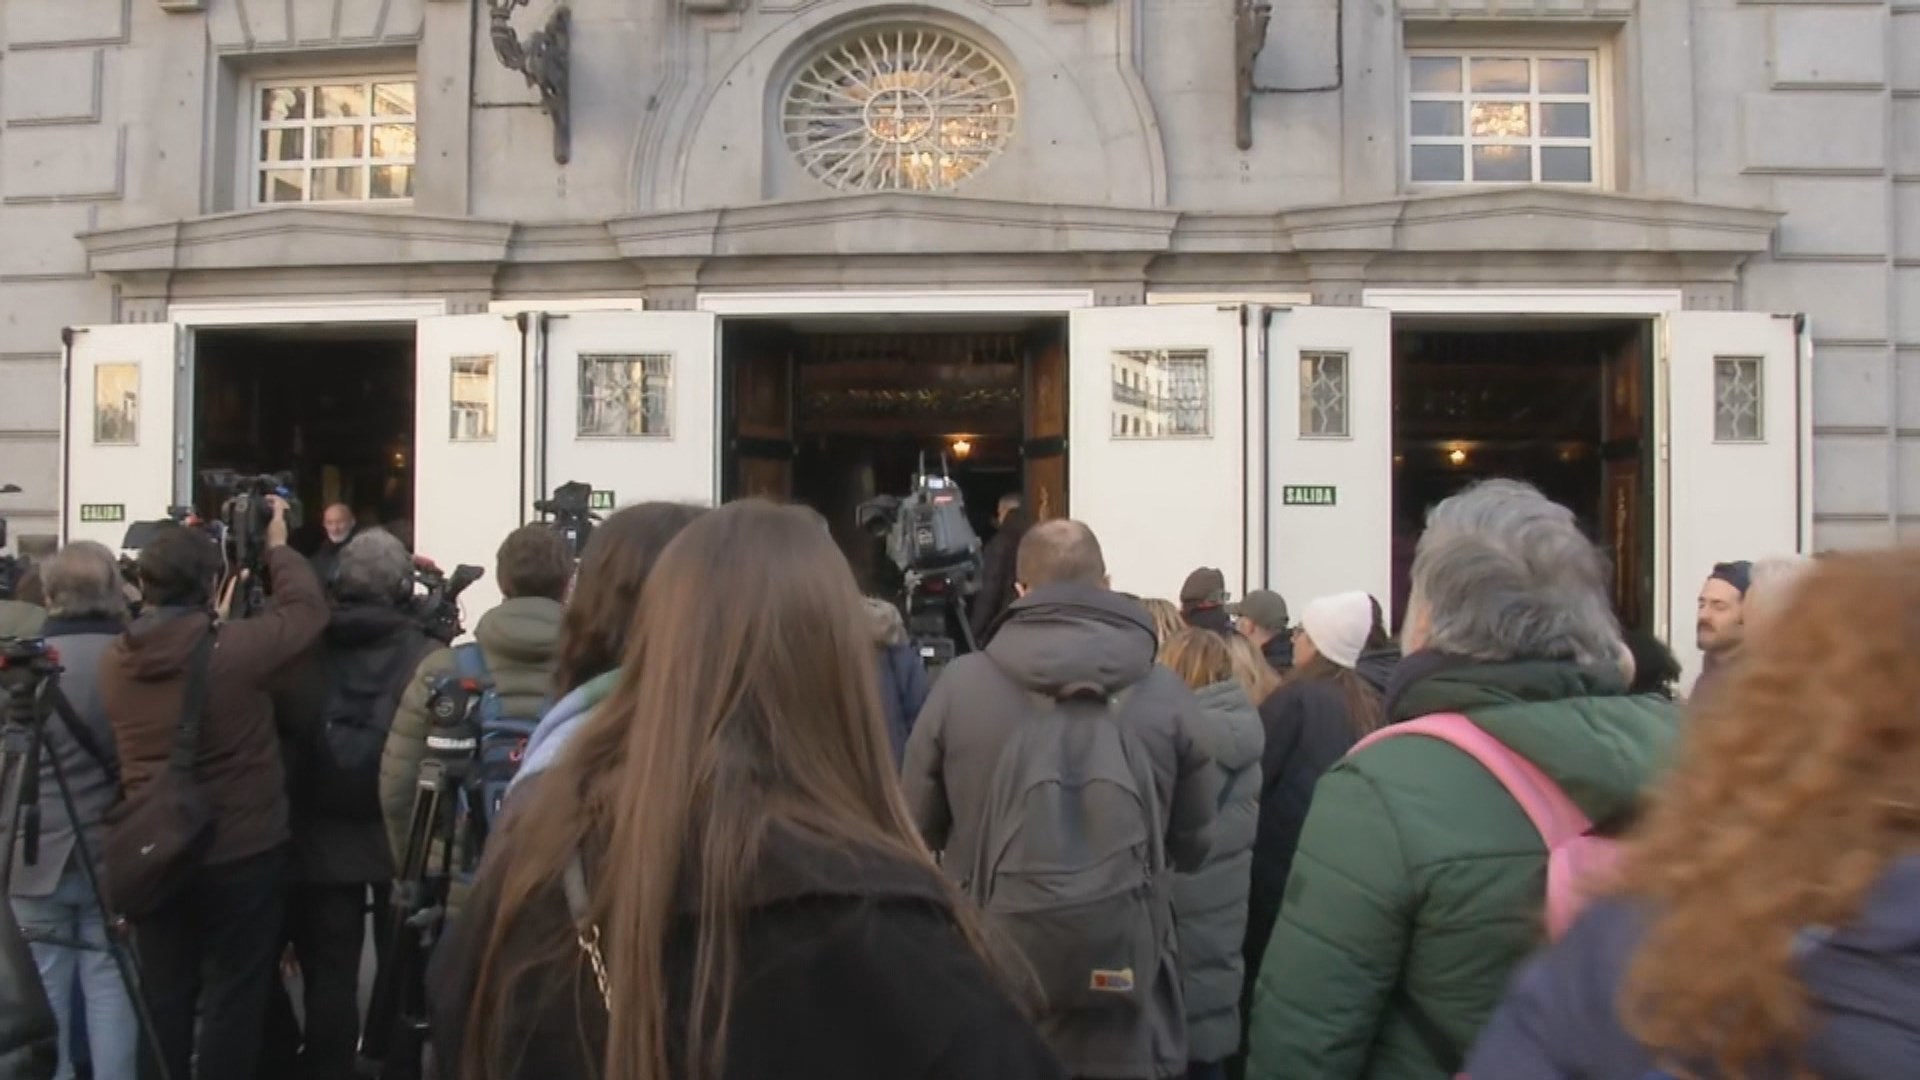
893 224
1530 219
296 236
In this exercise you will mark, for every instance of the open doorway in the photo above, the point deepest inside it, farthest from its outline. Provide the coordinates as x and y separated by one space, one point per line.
331 405
835 412
1567 407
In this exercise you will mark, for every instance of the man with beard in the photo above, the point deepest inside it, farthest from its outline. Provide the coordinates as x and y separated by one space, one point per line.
341 529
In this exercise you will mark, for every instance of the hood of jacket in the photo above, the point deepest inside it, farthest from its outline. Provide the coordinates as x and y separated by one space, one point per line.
1236 738
357 624
884 620
158 645
525 630
1577 724
1376 666
1074 637
562 723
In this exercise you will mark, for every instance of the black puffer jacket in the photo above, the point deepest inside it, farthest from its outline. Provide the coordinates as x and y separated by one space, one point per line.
1307 733
29 1038
365 646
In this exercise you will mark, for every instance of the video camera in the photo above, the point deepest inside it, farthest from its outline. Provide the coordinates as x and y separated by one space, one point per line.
435 602
570 511
933 544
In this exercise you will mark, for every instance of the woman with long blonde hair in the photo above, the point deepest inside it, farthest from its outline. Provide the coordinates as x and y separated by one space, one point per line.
1768 917
717 879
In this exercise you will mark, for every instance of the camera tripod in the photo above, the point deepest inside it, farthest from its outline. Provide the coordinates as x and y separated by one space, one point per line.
30 677
397 1029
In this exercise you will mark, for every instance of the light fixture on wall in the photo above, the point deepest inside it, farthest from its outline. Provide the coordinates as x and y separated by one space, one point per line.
1457 456
962 447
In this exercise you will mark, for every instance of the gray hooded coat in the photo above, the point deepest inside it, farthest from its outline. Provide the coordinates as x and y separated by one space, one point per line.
1057 637
1210 904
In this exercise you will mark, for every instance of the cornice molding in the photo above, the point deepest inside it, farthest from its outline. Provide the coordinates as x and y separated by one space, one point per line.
284 237
1481 224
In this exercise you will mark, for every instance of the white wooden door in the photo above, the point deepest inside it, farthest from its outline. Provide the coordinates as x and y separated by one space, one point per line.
1329 484
117 435
469 444
630 405
1156 452
1737 475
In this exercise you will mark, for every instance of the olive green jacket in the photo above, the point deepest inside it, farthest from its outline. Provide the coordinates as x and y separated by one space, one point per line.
521 642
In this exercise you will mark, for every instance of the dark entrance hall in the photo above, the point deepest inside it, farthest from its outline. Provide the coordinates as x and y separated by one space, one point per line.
1567 407
835 413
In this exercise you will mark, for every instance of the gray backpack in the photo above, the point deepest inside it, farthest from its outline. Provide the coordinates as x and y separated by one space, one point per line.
1072 865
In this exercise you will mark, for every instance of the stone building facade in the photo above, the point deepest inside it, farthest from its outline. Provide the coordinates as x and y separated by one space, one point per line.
1580 158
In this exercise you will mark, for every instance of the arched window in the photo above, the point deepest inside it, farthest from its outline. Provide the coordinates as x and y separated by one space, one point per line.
898 108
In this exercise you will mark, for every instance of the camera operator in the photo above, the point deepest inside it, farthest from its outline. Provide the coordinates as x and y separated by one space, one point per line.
52 897
334 718
519 642
208 948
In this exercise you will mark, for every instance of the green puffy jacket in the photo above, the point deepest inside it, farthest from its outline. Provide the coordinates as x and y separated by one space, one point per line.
1419 881
521 641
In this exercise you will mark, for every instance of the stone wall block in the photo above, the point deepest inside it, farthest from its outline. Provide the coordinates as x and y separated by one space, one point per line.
32 23
1847 302
30 397
1812 47
63 163
1814 131
52 86
1832 215
40 239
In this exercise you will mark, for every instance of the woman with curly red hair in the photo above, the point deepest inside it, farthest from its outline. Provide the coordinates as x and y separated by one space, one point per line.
1768 922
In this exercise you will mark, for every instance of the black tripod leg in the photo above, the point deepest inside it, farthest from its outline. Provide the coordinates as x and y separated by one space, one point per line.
390 1038
126 960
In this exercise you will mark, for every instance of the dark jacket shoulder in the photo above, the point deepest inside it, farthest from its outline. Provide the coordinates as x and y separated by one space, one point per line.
850 965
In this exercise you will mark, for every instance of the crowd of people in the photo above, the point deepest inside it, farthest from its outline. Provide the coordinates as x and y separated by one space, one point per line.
743 835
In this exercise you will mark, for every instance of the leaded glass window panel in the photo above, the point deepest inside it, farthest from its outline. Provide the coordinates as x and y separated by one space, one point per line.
626 395
1737 399
1323 395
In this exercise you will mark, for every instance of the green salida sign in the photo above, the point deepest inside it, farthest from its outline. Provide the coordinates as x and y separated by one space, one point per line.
600 500
1308 495
96 513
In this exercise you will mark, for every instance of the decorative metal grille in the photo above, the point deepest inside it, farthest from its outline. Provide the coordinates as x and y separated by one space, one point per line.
899 109
1323 395
471 401
1736 399
626 395
1161 394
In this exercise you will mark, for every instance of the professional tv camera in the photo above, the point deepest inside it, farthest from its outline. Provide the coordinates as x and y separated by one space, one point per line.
570 514
244 515
436 599
930 540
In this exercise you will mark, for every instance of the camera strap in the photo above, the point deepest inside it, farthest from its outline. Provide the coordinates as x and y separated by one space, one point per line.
186 743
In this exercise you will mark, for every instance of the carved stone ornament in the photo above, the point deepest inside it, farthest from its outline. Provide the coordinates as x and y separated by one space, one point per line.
1250 19
542 58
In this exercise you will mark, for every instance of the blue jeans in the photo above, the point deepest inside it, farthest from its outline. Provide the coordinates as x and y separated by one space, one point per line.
113 1034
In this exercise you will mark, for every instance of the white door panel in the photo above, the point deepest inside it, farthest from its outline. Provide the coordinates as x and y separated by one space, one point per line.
117 435
1329 483
468 445
631 405
1156 453
1735 480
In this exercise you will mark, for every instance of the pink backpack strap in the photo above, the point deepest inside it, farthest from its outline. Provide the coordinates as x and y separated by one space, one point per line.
1557 818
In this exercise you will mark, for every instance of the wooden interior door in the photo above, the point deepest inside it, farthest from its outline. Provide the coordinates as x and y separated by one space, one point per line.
1043 447
1626 432
762 440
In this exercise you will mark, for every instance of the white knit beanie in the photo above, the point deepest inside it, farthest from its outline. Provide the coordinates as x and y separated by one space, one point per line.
1339 626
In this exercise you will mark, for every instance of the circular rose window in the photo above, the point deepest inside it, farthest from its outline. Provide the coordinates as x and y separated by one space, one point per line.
899 109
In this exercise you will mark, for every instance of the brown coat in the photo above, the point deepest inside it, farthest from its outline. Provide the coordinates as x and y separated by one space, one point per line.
143 685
